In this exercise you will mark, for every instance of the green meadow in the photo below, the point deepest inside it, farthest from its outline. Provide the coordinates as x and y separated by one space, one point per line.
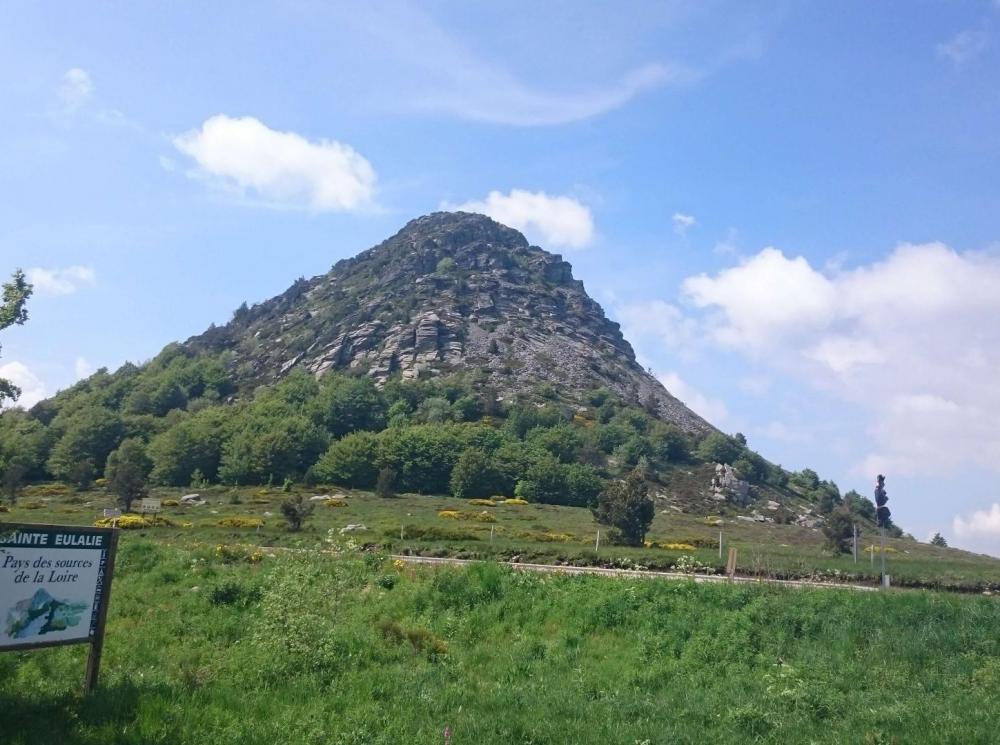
240 645
448 526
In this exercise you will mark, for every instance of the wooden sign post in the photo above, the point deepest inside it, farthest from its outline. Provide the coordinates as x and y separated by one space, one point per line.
55 587
731 564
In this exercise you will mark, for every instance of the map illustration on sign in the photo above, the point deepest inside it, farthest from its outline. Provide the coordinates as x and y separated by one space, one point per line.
42 614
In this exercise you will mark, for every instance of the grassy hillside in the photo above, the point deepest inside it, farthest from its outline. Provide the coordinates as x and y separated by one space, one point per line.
449 526
208 646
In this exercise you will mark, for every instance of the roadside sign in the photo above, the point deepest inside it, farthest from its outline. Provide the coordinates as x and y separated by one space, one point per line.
112 513
55 584
149 506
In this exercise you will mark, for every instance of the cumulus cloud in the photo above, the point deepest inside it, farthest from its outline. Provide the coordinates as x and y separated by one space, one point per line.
281 168
964 46
75 89
765 299
980 530
32 388
61 281
712 409
560 221
912 338
683 223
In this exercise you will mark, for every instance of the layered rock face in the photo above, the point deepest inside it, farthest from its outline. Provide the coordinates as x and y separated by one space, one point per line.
450 292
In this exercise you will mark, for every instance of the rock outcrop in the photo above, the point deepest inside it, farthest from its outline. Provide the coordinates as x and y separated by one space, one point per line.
451 292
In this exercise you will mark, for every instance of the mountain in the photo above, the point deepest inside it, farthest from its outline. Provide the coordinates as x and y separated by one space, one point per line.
451 292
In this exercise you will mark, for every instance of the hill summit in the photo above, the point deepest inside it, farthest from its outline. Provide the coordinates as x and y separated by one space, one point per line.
451 292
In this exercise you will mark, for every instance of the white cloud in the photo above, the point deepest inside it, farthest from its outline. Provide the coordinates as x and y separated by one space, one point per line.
659 320
282 168
82 368
560 220
712 409
964 46
980 531
912 339
75 89
61 281
32 389
683 223
764 299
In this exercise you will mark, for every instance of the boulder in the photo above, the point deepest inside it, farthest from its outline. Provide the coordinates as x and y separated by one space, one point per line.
353 528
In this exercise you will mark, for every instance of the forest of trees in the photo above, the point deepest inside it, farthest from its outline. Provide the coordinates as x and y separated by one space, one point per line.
183 415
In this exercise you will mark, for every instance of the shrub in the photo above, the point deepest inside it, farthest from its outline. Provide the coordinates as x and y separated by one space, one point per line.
515 501
234 593
171 503
432 533
240 522
138 522
296 511
718 448
238 553
419 638
839 530
483 502
474 475
626 506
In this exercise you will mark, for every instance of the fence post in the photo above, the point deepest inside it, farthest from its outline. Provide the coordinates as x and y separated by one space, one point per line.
731 564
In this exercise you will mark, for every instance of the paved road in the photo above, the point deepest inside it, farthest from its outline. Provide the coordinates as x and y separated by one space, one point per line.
639 573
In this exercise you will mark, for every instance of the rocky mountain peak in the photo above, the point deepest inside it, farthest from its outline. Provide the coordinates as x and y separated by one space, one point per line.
451 292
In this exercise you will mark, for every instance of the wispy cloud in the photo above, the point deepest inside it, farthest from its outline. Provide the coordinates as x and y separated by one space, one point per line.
82 368
560 221
284 169
445 74
965 46
683 223
75 90
61 281
712 409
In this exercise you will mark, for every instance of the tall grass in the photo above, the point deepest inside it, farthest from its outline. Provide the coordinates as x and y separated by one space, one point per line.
355 649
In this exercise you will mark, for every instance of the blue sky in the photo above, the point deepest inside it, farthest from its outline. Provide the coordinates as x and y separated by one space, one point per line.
791 207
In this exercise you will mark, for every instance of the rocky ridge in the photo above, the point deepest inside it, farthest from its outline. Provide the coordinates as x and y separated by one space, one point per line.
451 292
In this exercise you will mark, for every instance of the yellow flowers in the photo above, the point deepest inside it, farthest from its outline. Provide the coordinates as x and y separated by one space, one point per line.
483 502
398 564
515 501
170 503
669 546
550 537
240 522
137 522
231 554
483 517
878 550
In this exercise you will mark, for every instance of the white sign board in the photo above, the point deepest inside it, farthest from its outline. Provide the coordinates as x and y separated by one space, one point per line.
148 506
52 584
